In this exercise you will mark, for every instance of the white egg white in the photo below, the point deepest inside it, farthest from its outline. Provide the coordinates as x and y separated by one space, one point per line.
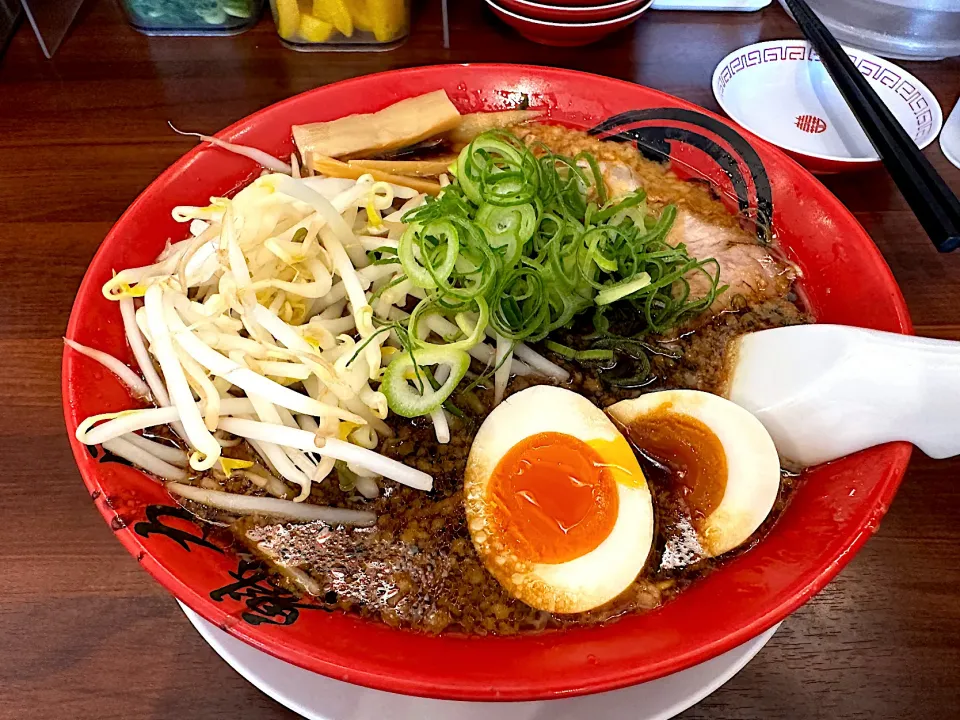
597 576
753 467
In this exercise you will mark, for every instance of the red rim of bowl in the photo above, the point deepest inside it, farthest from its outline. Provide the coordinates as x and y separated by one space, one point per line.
572 25
574 10
579 4
468 682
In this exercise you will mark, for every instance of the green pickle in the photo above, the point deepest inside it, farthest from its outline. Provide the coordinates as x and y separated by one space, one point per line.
192 13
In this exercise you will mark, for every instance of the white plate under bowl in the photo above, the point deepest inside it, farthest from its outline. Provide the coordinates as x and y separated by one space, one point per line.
781 91
950 137
319 698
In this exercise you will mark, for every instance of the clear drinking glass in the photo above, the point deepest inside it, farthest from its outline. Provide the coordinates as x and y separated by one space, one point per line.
904 29
192 17
311 25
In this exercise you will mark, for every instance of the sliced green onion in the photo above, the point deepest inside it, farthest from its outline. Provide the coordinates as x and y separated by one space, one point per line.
560 349
612 293
594 355
473 335
346 478
526 239
498 169
611 209
408 401
453 409
598 183
438 241
568 352
508 228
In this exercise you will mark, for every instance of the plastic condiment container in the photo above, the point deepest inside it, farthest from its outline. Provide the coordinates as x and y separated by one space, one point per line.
192 17
344 25
900 29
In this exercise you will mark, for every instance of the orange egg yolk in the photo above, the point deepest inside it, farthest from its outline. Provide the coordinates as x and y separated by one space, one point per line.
688 455
553 498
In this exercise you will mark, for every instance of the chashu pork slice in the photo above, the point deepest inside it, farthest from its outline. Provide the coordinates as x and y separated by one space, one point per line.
746 267
703 224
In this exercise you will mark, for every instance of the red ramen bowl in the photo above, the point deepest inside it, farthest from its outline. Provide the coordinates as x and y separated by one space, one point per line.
832 513
572 13
567 33
580 3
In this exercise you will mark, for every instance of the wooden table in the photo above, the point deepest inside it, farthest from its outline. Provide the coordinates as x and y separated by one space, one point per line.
86 634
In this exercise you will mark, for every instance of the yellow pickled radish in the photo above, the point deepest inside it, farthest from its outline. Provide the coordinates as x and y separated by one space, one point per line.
288 18
313 29
231 464
335 12
344 429
360 14
387 18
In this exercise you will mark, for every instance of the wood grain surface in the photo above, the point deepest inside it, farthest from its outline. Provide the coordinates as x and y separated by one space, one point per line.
86 634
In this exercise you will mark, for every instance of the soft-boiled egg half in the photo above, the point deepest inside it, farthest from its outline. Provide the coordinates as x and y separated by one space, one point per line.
557 506
721 460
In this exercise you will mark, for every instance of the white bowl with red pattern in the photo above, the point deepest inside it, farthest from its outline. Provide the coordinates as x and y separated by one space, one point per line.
781 92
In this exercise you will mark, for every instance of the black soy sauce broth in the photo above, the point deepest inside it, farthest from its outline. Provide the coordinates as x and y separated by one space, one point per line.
421 553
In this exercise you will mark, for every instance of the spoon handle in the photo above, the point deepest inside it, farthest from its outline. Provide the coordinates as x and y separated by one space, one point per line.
825 391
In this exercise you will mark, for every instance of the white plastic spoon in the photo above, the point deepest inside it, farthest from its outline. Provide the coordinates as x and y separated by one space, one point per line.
825 391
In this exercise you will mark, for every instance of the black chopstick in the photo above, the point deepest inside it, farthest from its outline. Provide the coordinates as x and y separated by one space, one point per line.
934 204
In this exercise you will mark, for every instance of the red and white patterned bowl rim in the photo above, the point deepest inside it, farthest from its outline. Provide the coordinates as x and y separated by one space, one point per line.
917 96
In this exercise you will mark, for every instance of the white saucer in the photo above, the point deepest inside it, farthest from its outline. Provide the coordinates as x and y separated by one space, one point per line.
780 90
319 698
950 137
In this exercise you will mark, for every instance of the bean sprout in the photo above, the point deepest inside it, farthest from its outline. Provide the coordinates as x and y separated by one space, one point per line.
141 458
125 421
259 156
440 425
127 376
263 479
172 455
266 325
247 505
207 448
539 363
367 486
337 449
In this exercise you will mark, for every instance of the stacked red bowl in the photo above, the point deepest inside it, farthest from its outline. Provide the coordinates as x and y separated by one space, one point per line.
568 22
